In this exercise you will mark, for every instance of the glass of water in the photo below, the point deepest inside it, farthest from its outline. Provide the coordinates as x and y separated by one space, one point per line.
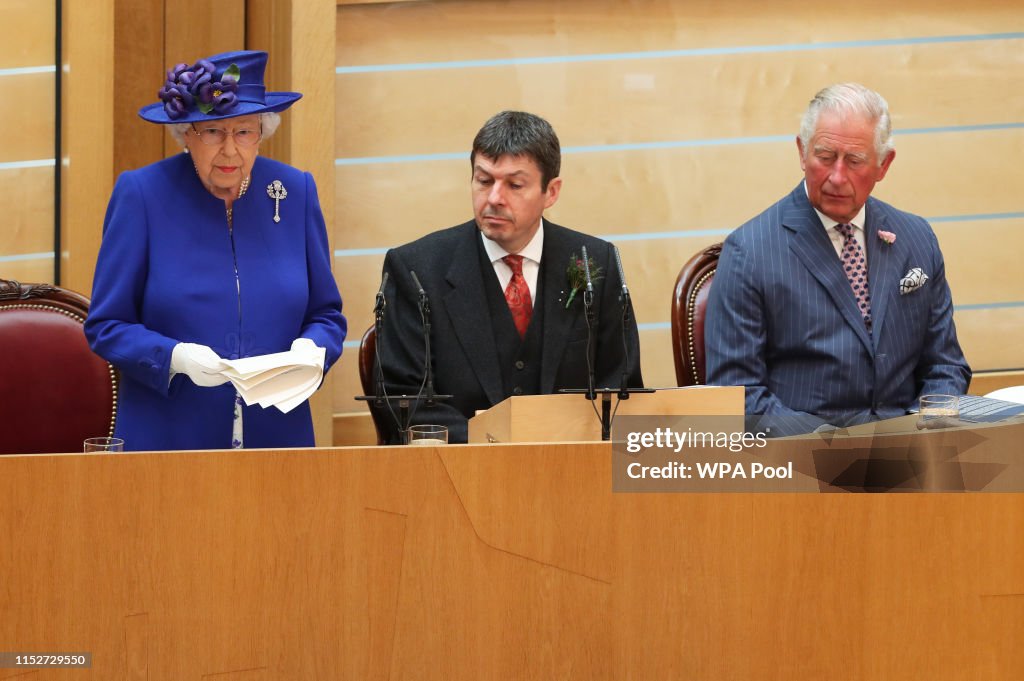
938 411
428 435
103 444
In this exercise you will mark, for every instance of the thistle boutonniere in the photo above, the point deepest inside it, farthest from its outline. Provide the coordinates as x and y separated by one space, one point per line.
887 237
578 276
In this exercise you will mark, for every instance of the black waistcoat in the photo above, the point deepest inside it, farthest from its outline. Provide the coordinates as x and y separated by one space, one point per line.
519 359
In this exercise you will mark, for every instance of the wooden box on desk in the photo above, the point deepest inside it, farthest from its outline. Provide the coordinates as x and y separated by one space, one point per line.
571 417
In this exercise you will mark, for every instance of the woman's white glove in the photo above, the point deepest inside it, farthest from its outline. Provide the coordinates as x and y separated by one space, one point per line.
307 346
199 363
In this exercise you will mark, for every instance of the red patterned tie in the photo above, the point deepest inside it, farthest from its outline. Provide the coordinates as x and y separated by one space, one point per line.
856 270
517 294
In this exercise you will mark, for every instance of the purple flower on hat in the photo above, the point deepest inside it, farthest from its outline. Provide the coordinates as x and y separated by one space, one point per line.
189 86
199 75
220 96
175 73
176 98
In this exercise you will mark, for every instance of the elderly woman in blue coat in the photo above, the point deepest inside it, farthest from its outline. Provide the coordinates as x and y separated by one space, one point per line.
214 253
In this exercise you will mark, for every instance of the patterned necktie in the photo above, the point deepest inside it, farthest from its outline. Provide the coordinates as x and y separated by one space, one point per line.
517 294
856 270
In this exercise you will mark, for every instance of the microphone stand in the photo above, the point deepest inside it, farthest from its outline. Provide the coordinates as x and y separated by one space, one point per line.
627 305
378 370
588 309
380 398
428 368
623 391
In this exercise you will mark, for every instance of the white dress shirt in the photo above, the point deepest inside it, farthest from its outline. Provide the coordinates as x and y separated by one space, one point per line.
531 260
837 238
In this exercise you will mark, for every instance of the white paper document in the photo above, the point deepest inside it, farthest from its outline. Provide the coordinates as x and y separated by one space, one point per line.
283 380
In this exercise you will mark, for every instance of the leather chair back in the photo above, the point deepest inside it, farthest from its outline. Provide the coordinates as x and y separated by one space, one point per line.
54 392
689 309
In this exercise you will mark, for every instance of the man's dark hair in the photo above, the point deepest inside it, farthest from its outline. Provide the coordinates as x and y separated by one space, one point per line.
517 133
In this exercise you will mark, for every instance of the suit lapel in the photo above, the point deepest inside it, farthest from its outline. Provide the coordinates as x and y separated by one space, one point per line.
883 261
466 304
557 320
811 245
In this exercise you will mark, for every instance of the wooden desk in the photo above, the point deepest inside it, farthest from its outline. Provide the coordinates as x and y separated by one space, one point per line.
491 562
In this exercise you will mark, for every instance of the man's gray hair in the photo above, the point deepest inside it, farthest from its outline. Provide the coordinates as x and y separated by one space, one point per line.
850 98
517 133
268 124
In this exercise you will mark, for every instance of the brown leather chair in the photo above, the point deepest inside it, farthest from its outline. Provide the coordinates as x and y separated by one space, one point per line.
689 308
367 357
54 392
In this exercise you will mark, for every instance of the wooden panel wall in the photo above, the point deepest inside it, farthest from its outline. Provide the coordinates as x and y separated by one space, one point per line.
87 143
677 122
27 128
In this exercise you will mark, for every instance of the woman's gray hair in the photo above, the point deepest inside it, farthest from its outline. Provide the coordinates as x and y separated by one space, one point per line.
268 123
847 98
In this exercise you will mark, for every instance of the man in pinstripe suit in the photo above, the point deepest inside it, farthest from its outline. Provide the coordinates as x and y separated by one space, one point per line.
831 308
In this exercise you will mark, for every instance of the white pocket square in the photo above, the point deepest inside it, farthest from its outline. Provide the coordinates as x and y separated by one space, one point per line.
912 280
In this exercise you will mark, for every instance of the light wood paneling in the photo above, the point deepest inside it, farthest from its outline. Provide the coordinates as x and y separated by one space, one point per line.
622 192
27 110
984 383
668 100
28 220
27 133
35 271
345 375
480 29
198 28
496 562
990 338
87 164
139 65
354 430
27 34
981 263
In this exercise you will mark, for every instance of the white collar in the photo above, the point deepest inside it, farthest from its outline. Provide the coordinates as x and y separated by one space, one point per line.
829 223
532 251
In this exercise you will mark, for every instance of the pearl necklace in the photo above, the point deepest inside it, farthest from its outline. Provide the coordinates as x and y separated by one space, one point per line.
241 192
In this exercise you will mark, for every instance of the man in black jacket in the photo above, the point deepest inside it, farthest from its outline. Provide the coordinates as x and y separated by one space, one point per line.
505 291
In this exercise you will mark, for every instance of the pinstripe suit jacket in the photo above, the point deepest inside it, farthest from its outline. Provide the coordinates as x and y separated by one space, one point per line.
783 322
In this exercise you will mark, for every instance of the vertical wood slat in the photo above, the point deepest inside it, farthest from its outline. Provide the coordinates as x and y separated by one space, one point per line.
87 118
138 64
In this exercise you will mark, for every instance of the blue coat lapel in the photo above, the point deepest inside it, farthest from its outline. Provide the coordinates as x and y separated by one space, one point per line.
883 267
811 245
466 304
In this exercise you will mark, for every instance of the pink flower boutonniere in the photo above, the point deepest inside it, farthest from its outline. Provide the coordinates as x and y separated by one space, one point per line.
888 237
578 277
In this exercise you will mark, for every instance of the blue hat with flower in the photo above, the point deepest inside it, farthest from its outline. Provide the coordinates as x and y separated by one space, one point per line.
222 86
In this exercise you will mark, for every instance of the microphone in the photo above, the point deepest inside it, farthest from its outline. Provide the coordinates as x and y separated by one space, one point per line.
588 308
419 287
626 305
586 270
379 306
428 372
624 294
